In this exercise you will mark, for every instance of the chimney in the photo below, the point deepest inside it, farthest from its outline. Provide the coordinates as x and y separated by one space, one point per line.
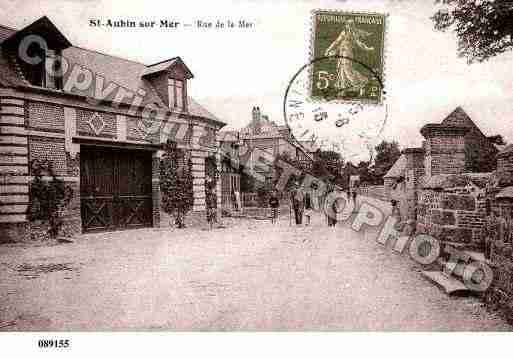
254 114
444 150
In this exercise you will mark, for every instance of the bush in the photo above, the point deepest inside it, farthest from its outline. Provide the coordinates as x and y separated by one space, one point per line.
47 198
176 183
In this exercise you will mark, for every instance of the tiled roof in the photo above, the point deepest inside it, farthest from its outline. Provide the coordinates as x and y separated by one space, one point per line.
459 118
506 150
397 170
5 32
161 66
167 65
122 72
505 193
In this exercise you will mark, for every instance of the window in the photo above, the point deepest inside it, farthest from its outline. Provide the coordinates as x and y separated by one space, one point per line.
177 94
53 78
46 73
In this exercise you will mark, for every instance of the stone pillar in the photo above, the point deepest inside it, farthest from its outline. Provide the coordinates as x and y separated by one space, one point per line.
198 155
155 187
445 149
413 172
14 189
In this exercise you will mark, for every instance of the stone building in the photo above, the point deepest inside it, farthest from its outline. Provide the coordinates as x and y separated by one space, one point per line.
100 121
442 185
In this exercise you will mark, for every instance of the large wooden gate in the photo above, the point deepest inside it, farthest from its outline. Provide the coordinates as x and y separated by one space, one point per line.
115 189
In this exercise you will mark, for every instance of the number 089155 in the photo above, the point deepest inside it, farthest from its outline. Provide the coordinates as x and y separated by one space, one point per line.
53 343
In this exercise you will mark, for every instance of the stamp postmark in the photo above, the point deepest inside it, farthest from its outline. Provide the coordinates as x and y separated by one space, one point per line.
336 101
354 44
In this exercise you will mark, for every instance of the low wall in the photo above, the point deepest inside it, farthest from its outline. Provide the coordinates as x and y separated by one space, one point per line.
500 293
453 215
376 191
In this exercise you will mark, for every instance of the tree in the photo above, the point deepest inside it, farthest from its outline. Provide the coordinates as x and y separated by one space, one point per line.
332 162
348 171
484 27
278 170
176 183
387 154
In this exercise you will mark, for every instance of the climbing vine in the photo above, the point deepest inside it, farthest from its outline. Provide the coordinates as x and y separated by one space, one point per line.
48 198
176 183
211 178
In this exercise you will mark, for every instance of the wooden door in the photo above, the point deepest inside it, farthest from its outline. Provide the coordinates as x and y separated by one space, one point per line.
115 189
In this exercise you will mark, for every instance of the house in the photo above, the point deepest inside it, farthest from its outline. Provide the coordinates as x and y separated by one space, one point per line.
260 138
100 121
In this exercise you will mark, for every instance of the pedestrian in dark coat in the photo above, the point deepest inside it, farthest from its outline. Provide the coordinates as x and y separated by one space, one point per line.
297 199
274 203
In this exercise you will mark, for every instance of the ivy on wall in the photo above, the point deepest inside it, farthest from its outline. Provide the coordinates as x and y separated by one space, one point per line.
176 182
211 178
48 198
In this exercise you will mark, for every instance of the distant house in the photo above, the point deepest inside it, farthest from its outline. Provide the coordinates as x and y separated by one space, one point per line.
246 144
393 180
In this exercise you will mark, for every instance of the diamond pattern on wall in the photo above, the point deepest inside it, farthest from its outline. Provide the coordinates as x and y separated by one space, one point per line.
96 123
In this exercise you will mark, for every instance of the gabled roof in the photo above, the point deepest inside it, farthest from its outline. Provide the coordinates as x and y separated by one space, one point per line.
458 118
398 169
457 121
167 65
42 27
506 150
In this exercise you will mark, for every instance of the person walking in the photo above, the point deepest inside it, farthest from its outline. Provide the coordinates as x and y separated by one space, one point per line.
308 207
396 213
298 204
354 194
274 203
332 207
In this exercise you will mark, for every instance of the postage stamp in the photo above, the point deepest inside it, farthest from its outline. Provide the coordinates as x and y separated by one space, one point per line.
352 44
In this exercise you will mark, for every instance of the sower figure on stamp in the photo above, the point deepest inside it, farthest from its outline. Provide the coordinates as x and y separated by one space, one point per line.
349 38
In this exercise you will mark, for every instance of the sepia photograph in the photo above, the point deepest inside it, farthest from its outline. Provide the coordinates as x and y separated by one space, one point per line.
255 166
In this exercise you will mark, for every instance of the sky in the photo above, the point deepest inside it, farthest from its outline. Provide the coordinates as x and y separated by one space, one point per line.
237 69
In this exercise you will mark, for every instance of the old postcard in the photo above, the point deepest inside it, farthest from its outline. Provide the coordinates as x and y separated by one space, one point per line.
255 166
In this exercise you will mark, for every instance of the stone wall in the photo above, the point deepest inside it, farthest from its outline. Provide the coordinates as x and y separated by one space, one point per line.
14 174
500 194
453 213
